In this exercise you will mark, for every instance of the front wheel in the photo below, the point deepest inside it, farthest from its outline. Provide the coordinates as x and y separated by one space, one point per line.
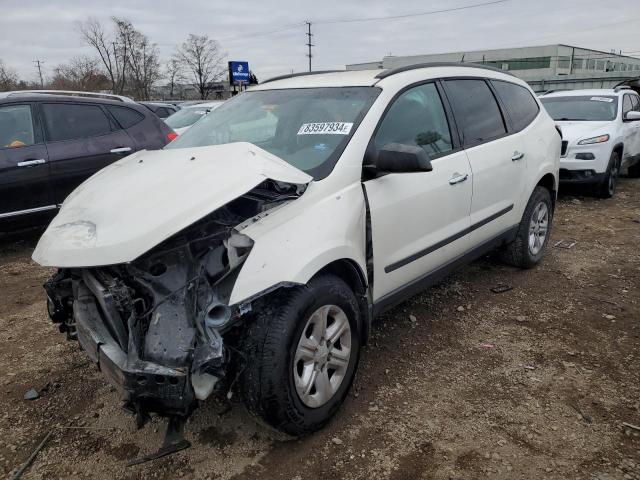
301 355
533 232
607 187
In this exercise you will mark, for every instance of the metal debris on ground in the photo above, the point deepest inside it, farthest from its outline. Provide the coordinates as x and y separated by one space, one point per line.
565 244
174 441
31 394
32 457
629 425
585 417
487 345
501 288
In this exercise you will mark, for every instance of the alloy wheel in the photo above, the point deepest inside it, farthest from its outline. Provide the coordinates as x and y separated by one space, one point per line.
538 227
322 356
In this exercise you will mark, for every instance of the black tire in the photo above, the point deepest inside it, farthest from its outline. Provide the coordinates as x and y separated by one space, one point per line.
267 384
634 170
607 188
518 253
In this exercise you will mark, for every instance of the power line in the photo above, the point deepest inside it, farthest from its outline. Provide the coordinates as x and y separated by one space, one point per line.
406 15
309 44
39 66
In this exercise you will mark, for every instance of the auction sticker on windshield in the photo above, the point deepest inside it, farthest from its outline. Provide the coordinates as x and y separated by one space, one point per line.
325 128
602 99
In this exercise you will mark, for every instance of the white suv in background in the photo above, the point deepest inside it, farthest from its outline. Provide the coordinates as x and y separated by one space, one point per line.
601 135
253 252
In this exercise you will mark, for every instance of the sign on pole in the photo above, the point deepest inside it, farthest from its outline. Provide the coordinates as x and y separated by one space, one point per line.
238 73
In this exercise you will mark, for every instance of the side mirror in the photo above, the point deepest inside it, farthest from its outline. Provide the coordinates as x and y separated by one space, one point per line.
632 116
400 158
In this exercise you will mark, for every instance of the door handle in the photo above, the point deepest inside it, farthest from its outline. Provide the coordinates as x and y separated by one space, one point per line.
120 150
29 163
517 156
458 178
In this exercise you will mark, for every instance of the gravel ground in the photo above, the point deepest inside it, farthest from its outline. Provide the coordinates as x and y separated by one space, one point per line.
458 382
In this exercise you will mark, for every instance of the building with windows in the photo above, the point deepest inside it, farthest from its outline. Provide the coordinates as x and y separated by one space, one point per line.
546 67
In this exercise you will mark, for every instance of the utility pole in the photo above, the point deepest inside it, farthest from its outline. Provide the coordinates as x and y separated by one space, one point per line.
39 66
309 44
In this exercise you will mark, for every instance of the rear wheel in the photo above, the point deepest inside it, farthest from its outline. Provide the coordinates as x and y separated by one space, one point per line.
533 232
607 188
301 355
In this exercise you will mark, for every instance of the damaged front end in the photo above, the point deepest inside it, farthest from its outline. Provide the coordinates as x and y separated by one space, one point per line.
156 326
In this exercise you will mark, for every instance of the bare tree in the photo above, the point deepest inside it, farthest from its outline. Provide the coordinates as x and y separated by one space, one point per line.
143 60
8 78
201 56
174 73
81 73
95 36
130 60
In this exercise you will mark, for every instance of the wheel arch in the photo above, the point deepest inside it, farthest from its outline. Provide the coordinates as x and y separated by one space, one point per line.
550 182
348 270
618 148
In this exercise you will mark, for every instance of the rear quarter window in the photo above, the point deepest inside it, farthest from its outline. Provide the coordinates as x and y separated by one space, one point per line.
476 110
520 104
126 117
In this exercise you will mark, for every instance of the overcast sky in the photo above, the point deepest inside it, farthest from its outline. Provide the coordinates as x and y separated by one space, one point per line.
46 30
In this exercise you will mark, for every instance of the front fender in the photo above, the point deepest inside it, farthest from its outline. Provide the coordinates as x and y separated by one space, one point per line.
298 240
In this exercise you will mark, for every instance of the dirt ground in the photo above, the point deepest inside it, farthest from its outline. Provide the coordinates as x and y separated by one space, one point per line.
457 383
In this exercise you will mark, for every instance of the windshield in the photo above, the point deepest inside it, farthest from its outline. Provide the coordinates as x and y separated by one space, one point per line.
586 108
187 116
307 128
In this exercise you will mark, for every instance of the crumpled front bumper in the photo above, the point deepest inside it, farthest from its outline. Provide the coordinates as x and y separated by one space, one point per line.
142 384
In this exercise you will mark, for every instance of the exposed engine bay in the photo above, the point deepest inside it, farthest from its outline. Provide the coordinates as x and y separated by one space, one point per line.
156 327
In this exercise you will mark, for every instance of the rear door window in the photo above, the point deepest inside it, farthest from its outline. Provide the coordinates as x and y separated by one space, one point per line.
16 126
476 110
519 103
126 117
68 121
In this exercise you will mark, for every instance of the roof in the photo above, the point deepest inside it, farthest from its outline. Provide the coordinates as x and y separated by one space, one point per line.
368 78
585 93
158 104
39 97
340 78
70 93
204 104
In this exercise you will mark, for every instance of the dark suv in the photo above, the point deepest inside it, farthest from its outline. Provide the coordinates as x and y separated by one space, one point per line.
49 144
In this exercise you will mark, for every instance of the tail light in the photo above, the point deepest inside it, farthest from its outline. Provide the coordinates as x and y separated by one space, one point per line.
171 136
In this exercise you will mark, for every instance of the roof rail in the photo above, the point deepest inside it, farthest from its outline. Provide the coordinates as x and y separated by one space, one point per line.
301 74
617 88
393 71
106 96
547 92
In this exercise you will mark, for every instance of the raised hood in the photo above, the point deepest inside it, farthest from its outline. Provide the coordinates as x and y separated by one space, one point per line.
131 206
574 131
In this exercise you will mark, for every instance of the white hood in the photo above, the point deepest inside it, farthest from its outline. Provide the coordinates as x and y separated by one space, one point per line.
575 131
134 204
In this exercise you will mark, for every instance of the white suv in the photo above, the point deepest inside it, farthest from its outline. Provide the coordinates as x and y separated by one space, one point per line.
601 135
253 252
